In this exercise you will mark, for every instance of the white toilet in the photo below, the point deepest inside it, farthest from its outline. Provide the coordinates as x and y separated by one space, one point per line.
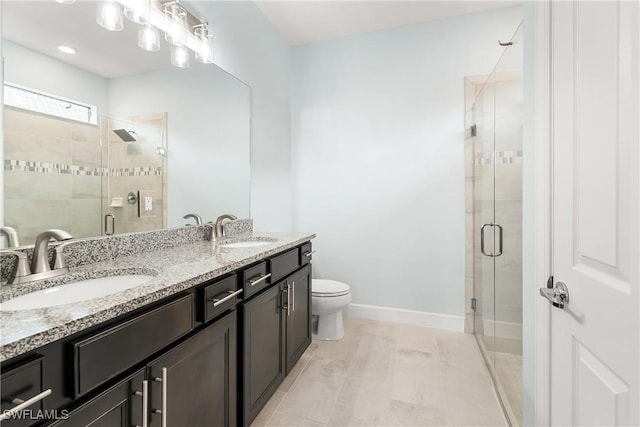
328 299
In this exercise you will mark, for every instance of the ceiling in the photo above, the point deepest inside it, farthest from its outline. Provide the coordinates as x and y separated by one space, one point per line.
302 22
43 25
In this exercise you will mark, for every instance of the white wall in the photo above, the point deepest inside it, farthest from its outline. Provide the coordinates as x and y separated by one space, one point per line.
250 48
26 67
378 156
208 136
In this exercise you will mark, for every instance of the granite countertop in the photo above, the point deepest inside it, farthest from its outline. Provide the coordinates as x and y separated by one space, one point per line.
174 270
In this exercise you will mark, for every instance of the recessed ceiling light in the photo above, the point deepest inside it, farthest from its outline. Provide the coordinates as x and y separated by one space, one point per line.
66 1
67 49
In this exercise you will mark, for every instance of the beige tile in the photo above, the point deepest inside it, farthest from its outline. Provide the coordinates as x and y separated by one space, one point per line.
287 420
314 394
86 154
361 402
459 351
87 218
417 338
86 187
85 133
374 356
471 400
298 368
416 378
405 414
36 185
269 409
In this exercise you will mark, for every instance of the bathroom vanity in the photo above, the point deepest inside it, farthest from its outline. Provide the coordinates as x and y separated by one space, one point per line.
205 342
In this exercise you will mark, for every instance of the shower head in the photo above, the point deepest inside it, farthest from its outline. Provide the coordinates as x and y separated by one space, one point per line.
125 135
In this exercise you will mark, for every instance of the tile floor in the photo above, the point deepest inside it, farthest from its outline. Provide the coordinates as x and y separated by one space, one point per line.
384 374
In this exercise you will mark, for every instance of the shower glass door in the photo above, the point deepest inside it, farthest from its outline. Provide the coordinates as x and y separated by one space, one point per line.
498 225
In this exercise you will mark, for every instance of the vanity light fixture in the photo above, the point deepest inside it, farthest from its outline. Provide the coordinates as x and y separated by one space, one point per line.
110 15
66 49
183 30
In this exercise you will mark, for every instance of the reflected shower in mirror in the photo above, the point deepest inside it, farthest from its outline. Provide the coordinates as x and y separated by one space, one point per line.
182 141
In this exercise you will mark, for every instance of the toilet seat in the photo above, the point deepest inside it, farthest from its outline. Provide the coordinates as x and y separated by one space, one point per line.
321 288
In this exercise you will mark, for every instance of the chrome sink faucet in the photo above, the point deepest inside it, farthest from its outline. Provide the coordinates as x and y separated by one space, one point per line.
40 267
197 217
12 236
21 271
219 232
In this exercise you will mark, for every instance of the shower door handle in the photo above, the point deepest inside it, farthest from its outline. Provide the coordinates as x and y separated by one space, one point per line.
500 240
113 224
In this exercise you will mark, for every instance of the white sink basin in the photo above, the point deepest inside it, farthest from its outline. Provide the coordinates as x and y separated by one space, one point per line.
245 244
81 290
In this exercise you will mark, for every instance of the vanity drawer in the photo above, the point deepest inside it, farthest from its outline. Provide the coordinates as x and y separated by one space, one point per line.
106 354
22 382
283 264
214 296
305 253
255 279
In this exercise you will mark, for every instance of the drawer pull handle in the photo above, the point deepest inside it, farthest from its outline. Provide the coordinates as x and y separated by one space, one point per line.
163 411
309 253
259 279
21 404
217 301
288 299
144 394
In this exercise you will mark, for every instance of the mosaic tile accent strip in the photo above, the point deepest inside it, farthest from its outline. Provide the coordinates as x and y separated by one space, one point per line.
64 169
502 157
54 168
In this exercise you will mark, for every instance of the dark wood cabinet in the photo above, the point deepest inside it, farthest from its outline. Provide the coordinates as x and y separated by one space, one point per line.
119 406
298 329
264 364
195 383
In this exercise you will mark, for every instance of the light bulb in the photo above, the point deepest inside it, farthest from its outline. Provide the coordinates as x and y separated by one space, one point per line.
177 33
180 56
137 11
149 38
204 51
110 15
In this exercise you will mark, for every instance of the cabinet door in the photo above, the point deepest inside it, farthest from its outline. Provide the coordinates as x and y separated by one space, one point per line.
194 384
119 406
264 347
299 318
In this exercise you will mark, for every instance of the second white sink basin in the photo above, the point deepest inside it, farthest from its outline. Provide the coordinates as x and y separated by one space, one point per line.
247 244
250 242
81 290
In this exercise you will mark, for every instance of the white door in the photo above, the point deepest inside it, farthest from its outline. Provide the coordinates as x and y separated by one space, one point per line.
595 358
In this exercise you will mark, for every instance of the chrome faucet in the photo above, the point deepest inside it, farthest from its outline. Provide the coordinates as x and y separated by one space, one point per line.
40 267
197 217
219 232
12 236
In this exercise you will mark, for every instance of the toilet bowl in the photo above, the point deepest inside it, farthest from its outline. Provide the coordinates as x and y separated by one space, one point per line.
328 299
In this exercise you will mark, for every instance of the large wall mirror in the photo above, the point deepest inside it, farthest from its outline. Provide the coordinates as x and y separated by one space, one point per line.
148 144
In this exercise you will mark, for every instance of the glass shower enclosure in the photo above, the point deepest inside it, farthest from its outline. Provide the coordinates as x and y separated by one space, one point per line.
496 139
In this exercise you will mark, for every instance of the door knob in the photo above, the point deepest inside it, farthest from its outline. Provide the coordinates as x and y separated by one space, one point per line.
558 295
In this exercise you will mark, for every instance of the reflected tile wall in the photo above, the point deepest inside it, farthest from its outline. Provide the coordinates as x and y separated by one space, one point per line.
52 167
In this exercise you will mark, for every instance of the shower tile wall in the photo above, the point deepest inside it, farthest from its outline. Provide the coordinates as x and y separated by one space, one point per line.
51 175
136 166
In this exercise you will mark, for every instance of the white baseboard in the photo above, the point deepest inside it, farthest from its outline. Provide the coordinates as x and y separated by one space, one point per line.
407 317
